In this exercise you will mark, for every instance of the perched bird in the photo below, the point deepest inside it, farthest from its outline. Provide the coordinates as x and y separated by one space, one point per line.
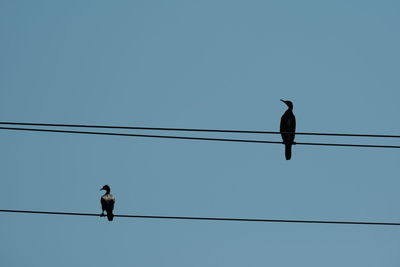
288 124
107 203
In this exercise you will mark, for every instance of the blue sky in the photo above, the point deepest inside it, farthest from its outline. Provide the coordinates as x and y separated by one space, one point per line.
199 64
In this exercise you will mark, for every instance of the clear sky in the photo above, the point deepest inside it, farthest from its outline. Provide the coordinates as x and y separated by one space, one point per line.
199 64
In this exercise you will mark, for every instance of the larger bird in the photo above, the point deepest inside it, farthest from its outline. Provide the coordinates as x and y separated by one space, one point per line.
107 203
288 128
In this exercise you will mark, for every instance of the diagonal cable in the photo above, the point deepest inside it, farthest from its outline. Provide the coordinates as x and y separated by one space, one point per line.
204 218
192 130
192 138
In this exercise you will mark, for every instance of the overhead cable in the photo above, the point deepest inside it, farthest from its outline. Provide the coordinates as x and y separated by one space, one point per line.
193 138
205 218
192 130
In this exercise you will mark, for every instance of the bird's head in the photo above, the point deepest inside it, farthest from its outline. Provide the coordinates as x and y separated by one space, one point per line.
106 187
288 103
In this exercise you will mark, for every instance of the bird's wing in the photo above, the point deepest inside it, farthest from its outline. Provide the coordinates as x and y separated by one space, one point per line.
291 123
288 124
111 202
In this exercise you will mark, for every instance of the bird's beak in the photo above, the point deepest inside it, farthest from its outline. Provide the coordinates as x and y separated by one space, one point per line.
283 101
101 189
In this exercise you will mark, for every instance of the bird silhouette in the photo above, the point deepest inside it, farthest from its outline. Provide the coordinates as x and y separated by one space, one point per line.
288 128
107 203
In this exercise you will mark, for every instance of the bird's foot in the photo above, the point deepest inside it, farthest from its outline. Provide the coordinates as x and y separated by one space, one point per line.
102 214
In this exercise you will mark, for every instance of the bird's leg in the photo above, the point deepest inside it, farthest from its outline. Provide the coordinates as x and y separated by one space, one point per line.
102 214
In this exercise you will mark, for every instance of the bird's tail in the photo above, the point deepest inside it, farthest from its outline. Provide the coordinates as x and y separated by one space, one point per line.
288 151
110 216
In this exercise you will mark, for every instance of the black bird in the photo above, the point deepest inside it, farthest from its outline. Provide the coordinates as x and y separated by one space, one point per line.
107 203
288 124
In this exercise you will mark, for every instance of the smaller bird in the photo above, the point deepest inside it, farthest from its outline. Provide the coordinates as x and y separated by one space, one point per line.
288 128
107 203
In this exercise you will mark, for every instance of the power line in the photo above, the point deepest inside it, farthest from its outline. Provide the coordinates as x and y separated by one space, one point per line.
193 138
205 218
192 130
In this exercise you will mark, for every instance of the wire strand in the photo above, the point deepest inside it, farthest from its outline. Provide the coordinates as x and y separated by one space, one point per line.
193 138
193 130
204 218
